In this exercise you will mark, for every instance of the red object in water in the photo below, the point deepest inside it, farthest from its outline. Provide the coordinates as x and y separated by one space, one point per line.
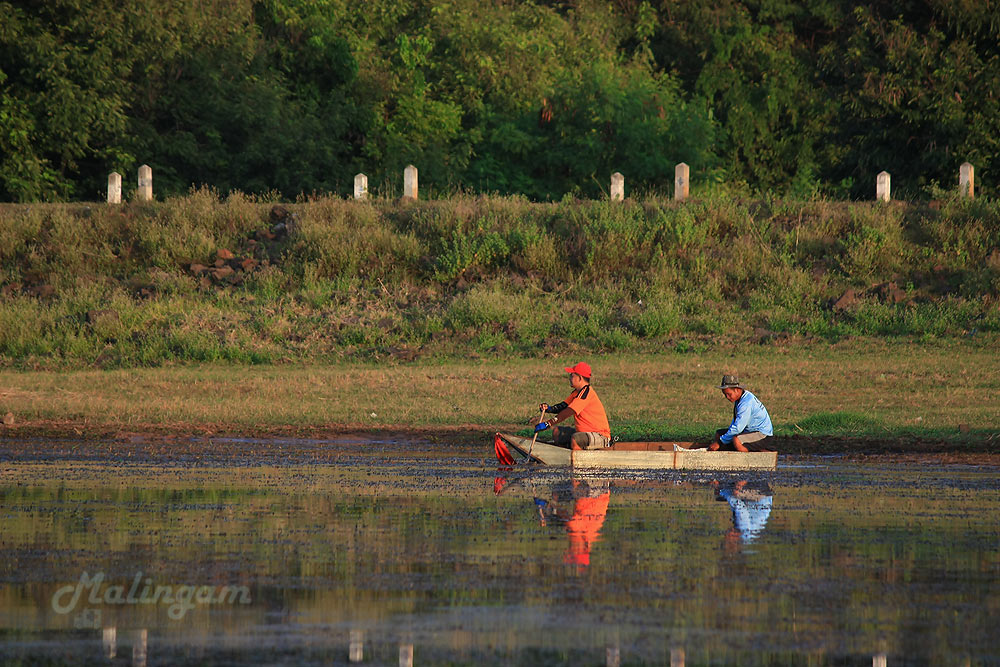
503 454
498 484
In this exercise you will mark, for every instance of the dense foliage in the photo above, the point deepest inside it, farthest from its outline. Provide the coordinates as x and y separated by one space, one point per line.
196 278
532 98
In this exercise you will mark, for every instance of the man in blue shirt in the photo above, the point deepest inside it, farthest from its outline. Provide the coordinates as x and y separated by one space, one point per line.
751 423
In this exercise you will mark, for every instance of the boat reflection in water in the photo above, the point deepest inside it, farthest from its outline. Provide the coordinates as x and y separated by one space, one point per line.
580 506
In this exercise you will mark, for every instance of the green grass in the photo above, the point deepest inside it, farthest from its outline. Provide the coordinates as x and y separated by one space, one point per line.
838 423
494 277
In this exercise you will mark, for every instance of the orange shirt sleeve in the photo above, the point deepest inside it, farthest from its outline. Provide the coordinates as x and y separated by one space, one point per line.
576 402
569 400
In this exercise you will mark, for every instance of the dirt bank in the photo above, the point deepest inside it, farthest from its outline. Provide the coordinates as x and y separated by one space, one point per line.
191 438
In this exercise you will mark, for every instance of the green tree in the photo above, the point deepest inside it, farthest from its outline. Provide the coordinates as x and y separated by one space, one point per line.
920 93
248 100
602 119
63 109
750 61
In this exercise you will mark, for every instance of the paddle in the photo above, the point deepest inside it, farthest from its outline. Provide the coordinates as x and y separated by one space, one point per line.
503 454
541 416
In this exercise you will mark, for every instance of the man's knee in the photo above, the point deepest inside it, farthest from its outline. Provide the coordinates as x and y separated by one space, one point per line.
717 444
589 441
562 436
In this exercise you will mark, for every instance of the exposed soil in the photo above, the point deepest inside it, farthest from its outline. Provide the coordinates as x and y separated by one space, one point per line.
191 439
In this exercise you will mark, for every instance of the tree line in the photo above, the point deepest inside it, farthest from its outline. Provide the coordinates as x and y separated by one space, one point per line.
539 98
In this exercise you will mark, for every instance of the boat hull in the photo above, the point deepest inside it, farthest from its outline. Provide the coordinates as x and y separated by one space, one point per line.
643 455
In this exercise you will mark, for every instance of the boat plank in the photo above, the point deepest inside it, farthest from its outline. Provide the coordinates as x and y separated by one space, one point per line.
705 460
650 446
608 458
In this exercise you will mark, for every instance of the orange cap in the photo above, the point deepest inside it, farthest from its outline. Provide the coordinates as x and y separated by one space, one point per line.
582 368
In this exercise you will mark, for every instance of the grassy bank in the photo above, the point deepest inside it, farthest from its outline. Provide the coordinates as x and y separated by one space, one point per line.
246 281
866 393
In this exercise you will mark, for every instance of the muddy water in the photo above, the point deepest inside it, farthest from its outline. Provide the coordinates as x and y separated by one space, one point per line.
394 553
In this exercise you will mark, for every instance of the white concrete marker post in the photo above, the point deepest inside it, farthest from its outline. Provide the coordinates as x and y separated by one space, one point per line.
361 187
145 191
617 187
410 182
967 180
883 187
114 188
682 181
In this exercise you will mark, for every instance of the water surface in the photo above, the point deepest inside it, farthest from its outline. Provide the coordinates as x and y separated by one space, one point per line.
398 553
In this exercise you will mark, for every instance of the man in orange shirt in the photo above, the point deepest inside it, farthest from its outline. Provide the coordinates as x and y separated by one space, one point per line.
592 430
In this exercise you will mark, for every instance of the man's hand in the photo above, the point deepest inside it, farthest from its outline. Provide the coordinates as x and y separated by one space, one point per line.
541 427
543 407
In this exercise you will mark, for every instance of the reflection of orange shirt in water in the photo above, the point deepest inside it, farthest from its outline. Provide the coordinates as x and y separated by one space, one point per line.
584 527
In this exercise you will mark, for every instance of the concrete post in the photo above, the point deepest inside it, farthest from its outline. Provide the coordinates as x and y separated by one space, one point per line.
410 182
114 188
967 180
145 192
882 187
681 181
361 187
617 187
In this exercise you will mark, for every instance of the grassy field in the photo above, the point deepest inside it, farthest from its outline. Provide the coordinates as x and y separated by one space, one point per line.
861 320
206 279
860 392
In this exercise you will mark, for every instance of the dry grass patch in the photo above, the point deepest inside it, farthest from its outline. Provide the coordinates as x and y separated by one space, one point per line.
869 389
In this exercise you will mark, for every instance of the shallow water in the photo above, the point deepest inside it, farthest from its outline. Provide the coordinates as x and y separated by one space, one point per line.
398 553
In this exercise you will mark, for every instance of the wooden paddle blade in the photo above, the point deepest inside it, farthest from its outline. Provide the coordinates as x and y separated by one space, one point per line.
503 454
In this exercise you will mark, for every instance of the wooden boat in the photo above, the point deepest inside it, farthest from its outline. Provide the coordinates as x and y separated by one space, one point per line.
661 455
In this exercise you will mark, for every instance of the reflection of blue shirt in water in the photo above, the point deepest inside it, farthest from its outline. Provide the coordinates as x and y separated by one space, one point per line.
749 415
749 516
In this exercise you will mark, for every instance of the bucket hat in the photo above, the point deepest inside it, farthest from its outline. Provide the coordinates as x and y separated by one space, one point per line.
731 382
